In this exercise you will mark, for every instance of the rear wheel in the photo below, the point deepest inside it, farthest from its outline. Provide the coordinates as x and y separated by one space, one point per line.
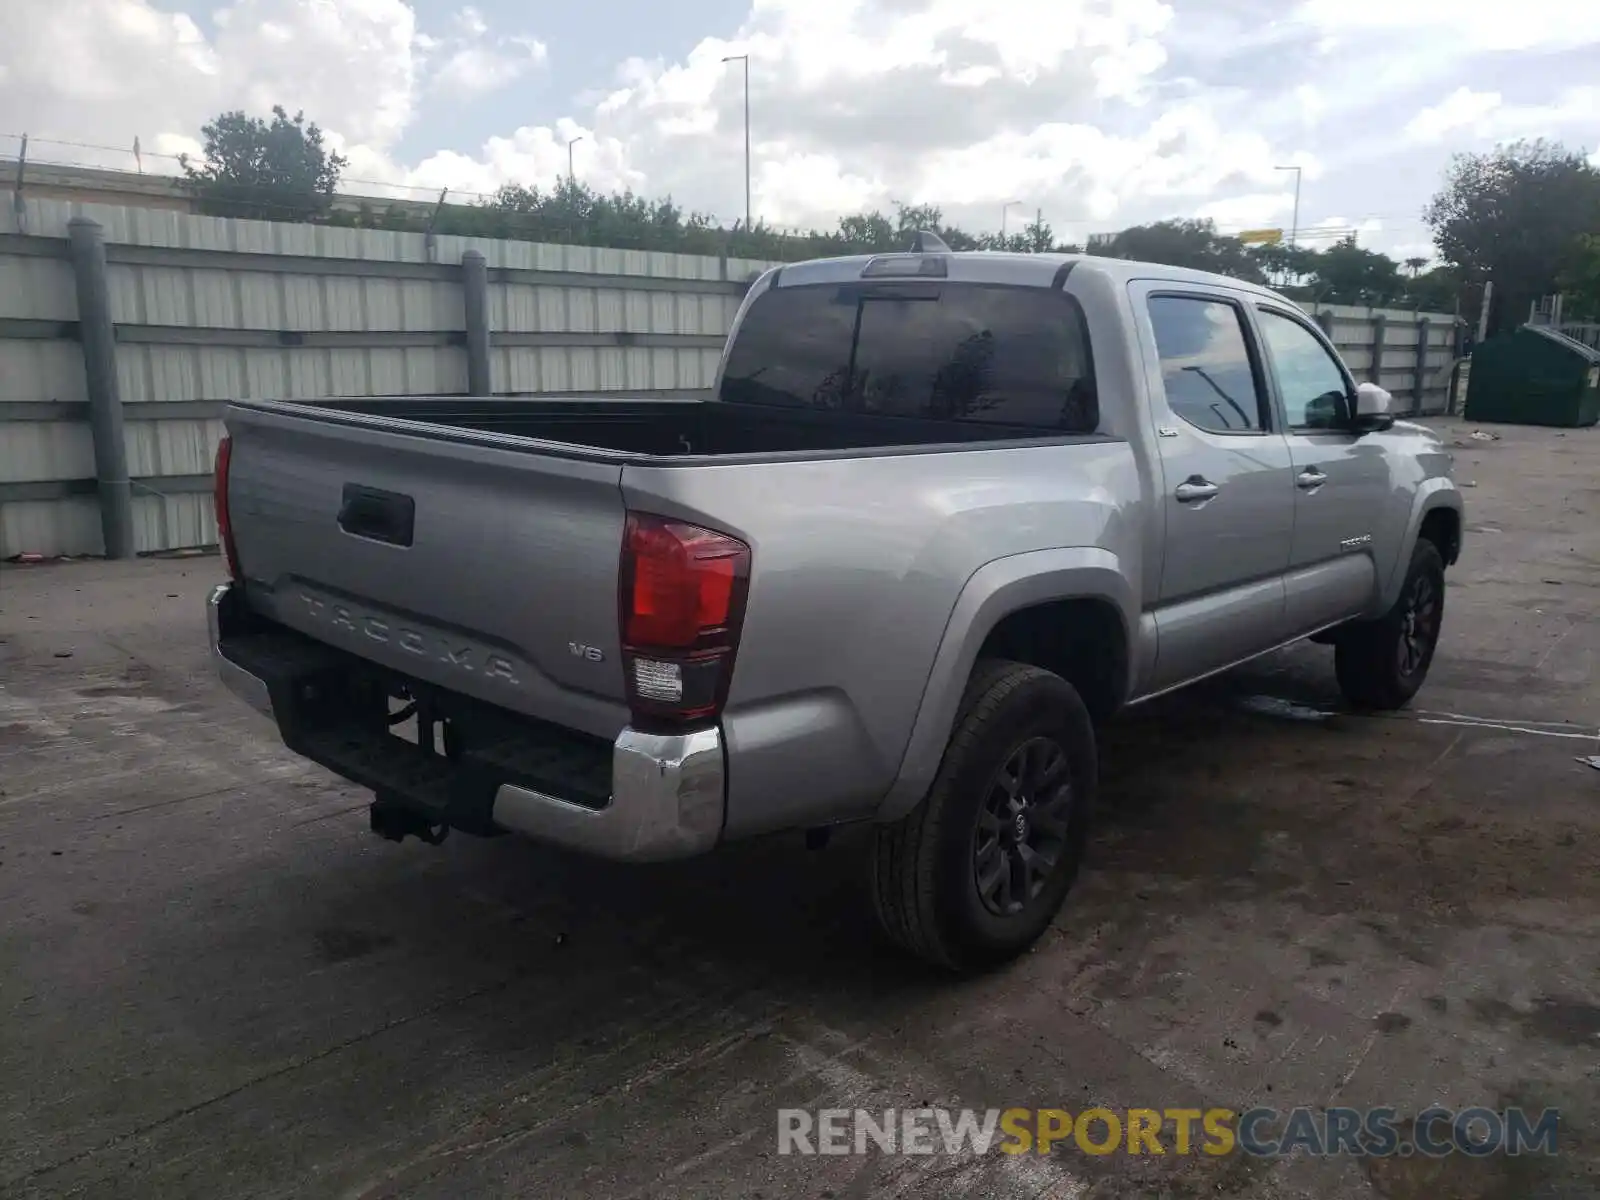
975 874
1381 664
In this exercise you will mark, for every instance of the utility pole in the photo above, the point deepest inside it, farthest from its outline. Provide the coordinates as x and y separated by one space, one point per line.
745 58
1294 228
1004 210
571 175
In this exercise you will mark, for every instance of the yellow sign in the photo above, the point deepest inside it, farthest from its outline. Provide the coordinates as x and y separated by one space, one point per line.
1261 237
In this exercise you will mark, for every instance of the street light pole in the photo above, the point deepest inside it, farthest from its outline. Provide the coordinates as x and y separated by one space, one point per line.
571 175
1294 228
1005 209
745 58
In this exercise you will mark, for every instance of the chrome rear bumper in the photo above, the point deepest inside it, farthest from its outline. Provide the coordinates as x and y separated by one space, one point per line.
668 791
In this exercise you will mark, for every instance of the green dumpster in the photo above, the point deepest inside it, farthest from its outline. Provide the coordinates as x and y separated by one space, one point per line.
1534 376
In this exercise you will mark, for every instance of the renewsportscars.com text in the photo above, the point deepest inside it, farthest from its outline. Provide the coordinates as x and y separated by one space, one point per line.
1261 1132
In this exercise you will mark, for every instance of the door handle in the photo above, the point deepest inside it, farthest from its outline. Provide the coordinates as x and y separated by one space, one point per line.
1310 479
1195 489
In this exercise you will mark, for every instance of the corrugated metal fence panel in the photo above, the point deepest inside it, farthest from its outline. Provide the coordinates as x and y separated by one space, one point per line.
210 309
66 526
36 451
42 372
172 522
35 288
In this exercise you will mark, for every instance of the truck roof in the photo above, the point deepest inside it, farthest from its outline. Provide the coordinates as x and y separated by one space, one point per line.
988 266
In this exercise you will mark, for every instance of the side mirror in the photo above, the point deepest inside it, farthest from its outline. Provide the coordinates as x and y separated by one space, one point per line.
1374 408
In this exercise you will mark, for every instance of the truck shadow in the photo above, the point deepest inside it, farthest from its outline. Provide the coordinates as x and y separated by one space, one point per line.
1180 785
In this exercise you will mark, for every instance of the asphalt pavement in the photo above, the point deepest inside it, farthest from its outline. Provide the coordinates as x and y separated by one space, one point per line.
214 981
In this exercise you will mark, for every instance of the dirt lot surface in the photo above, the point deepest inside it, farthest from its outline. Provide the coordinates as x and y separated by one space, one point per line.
215 982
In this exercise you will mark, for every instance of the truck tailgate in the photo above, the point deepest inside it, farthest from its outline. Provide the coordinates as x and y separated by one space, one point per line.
485 568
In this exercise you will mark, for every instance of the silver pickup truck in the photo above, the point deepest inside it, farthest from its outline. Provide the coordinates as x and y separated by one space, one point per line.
944 514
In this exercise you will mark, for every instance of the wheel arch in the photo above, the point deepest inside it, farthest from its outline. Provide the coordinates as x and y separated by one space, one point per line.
1436 514
1072 611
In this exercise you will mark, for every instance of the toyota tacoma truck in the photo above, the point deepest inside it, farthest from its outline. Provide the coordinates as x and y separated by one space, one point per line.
941 515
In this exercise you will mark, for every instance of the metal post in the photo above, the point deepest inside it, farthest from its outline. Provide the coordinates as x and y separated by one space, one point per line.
572 176
745 58
475 298
18 206
1294 221
1294 228
1483 311
1419 377
1375 372
98 340
1005 210
747 142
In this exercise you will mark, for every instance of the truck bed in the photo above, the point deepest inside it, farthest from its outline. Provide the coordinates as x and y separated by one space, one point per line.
671 428
474 544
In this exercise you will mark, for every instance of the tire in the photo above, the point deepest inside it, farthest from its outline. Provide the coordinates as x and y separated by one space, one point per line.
1013 721
1381 664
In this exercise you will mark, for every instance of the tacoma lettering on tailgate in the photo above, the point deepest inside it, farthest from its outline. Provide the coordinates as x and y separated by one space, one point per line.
412 641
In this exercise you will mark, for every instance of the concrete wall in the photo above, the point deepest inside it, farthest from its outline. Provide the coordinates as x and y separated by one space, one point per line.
207 309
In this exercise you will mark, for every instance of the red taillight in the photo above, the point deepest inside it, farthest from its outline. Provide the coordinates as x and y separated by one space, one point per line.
220 497
683 591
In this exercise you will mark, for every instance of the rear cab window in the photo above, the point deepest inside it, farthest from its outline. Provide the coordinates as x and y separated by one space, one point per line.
982 353
1206 367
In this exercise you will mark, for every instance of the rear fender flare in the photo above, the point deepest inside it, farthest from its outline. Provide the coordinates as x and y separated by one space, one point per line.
993 592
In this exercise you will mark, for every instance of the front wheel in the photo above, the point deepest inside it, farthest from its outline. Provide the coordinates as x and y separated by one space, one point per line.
1381 664
974 875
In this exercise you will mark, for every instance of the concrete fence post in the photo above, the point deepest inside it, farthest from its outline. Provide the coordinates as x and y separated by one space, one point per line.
1325 323
97 338
1375 372
475 295
1419 380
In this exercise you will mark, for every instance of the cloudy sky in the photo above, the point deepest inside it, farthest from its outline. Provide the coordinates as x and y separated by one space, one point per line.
1102 113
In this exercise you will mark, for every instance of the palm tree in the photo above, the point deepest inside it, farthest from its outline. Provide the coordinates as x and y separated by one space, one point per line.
1416 265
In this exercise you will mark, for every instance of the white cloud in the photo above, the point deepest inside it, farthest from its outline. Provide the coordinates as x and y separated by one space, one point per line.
473 70
476 62
1462 108
106 71
1103 113
1312 103
471 23
1483 115
963 103
1475 25
1256 210
1573 109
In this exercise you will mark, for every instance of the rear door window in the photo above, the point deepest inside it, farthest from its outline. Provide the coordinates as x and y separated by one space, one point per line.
963 352
1205 364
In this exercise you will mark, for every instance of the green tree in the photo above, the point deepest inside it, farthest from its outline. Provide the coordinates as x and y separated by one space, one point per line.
1444 290
1284 266
1345 273
278 170
1580 278
1186 243
1512 217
